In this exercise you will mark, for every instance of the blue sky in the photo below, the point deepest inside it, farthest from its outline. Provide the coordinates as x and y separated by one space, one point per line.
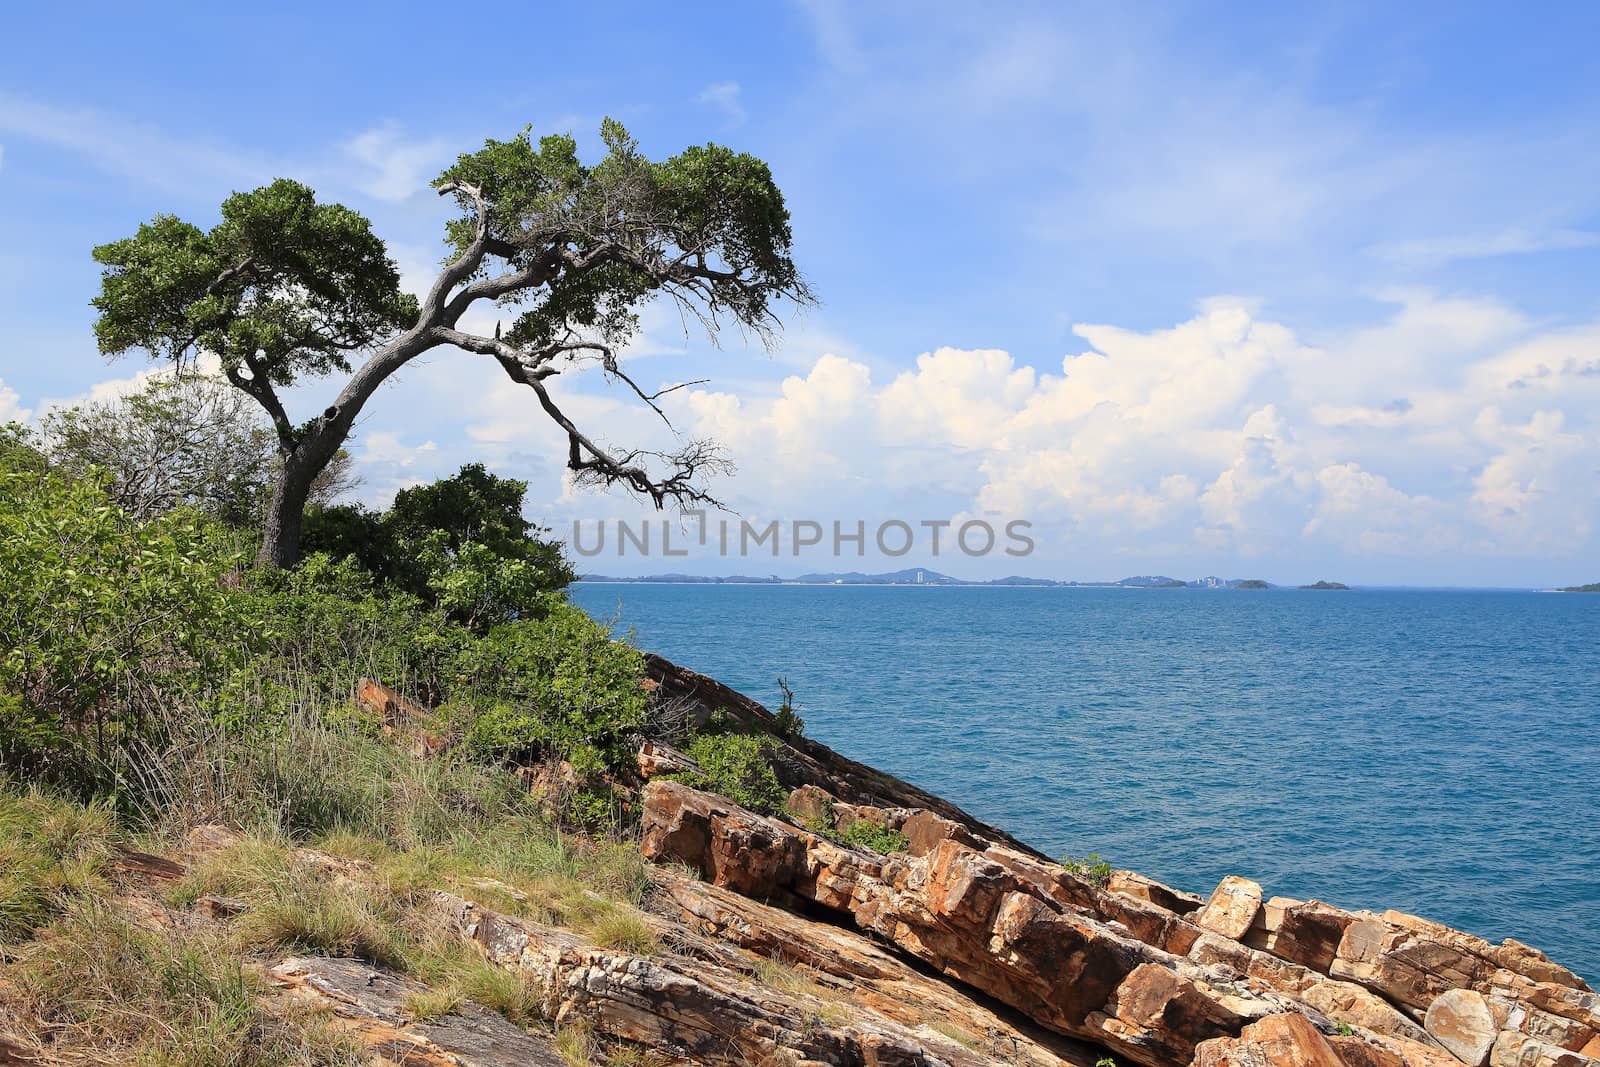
1195 289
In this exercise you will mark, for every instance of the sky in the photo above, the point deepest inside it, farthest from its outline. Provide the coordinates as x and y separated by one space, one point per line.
1190 289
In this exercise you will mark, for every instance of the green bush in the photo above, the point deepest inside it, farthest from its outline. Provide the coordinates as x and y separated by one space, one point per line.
111 629
557 686
864 833
1090 868
737 766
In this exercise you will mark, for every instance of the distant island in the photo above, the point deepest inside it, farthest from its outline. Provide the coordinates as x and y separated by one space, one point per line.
1592 587
924 576
1325 585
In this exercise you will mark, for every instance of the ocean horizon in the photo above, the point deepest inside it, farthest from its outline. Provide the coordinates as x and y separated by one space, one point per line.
1420 749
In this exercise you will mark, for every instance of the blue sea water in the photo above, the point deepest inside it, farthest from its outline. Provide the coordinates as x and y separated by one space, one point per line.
1435 752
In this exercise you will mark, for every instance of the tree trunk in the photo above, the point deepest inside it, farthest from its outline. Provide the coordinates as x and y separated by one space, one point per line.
286 513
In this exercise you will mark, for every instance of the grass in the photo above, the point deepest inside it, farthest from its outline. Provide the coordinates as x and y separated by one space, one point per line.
52 852
174 998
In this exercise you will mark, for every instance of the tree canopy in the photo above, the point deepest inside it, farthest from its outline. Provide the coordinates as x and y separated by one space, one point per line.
284 288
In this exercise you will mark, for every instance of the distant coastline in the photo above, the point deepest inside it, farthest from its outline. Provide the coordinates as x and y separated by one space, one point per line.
922 576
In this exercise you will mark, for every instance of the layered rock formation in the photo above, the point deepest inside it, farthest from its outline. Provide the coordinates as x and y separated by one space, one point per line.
1135 967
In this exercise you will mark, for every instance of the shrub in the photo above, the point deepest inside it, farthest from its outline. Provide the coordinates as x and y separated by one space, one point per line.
110 628
739 767
788 723
1090 868
557 686
864 833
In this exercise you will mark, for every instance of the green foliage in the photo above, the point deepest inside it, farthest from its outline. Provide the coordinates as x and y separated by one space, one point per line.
556 686
108 623
737 766
864 833
1090 868
1344 1029
721 204
325 625
460 544
282 286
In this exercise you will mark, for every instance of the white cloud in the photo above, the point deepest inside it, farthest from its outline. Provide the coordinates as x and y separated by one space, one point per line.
1210 437
393 167
11 409
725 97
1511 241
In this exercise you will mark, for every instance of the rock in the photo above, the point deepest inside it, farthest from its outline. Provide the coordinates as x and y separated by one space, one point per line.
394 710
996 920
1460 1020
1408 968
692 1010
1232 907
812 803
1276 1041
657 757
1136 885
370 1007
219 908
1511 955
1344 1001
1512 1048
866 973
1366 1050
924 830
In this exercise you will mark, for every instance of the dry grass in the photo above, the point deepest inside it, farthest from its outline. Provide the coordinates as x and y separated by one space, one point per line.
95 984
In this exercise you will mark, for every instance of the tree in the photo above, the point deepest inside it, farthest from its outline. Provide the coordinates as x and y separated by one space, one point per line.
180 441
460 543
284 288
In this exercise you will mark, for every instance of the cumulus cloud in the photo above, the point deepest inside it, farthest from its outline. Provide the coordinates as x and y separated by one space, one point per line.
11 409
1450 426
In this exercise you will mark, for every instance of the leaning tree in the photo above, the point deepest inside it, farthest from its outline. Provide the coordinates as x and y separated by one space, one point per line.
284 288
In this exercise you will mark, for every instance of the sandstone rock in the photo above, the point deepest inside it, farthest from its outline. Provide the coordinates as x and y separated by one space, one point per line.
657 757
1408 968
369 1006
690 1009
219 908
1368 1050
1460 1020
393 709
1130 883
1278 1041
1344 1001
1232 907
1512 1048
997 920
811 802
1512 955
868 975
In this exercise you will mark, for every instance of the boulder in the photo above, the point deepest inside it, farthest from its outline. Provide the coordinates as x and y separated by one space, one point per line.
1232 907
1461 1021
1278 1041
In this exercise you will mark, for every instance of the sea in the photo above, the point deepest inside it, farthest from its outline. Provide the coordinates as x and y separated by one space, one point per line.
1437 752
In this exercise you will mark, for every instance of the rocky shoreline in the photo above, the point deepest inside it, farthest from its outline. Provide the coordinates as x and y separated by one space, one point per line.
770 940
1151 974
